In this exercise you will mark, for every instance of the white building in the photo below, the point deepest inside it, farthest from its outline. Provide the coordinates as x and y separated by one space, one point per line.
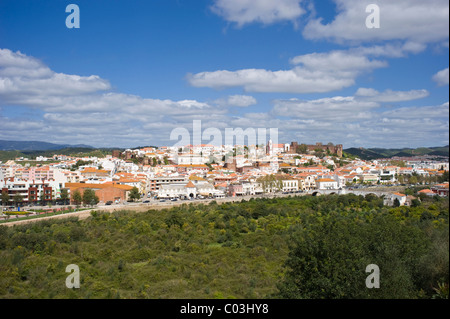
191 159
189 190
326 183
290 185
390 199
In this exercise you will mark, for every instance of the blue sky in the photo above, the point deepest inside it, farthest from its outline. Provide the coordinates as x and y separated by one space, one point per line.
136 70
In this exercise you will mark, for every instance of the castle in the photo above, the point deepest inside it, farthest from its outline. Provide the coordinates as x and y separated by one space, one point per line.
330 147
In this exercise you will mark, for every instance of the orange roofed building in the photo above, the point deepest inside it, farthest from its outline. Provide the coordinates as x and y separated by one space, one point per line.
105 192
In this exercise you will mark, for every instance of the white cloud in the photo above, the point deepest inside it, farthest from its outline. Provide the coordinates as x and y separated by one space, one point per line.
390 95
243 12
441 78
343 109
23 77
77 109
237 100
92 116
355 122
313 73
407 20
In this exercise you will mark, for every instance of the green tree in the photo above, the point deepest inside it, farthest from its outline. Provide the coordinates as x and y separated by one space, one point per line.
413 180
329 259
17 199
302 149
64 195
5 198
76 197
134 194
42 198
89 197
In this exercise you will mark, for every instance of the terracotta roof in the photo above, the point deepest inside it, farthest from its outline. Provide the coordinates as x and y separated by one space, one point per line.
426 191
399 194
190 185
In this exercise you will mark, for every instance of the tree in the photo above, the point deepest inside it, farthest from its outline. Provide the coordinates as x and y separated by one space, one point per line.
302 149
328 259
5 198
134 194
413 180
17 198
415 202
89 197
76 197
64 195
42 198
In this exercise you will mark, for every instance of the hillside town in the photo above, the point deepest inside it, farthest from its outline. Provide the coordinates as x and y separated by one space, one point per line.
205 171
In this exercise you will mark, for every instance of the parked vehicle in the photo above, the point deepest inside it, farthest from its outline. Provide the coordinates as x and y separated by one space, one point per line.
109 202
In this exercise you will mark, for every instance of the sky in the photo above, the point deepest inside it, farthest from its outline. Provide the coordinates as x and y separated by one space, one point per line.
136 71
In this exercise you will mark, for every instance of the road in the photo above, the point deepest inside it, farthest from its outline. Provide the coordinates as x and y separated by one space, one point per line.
141 207
156 204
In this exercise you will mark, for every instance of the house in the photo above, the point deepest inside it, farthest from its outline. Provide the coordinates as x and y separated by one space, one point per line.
389 200
427 192
440 189
235 189
368 178
290 185
31 191
189 189
307 181
326 183
105 192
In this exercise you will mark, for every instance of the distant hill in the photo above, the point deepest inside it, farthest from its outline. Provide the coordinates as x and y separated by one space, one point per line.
36 146
374 153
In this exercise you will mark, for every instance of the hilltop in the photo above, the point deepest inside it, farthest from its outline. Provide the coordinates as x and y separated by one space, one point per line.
375 153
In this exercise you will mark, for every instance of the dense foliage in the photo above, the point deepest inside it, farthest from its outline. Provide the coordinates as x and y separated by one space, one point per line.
297 247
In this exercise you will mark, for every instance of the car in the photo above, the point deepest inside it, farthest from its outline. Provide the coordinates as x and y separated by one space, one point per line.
174 199
146 201
162 200
109 202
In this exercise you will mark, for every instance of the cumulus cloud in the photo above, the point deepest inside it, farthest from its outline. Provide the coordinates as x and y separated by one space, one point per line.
407 20
22 77
390 95
244 12
355 122
84 110
97 116
312 73
345 109
441 78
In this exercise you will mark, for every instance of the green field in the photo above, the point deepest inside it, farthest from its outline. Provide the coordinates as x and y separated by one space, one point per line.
299 247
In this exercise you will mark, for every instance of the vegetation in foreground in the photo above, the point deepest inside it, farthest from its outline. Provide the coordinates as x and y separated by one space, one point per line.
298 247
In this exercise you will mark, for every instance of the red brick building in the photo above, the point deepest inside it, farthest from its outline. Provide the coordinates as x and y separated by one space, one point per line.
105 192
